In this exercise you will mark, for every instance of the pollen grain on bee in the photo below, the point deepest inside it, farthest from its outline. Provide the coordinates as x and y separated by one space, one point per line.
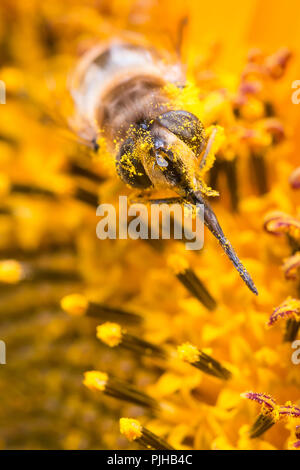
152 221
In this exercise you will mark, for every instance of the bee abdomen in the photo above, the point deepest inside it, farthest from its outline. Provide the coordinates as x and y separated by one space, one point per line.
118 84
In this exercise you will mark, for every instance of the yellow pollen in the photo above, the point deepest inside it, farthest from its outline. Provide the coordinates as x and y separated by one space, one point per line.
110 333
253 109
293 304
188 353
4 185
95 380
131 428
11 271
275 414
177 263
74 304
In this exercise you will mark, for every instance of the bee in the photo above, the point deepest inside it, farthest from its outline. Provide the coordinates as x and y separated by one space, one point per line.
119 88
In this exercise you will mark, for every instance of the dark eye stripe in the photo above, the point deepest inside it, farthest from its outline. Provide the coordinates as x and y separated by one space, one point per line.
136 179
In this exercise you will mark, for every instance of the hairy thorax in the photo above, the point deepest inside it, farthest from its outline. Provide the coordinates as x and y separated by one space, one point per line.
117 85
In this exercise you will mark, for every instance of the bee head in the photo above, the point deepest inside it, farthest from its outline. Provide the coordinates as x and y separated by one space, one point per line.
163 152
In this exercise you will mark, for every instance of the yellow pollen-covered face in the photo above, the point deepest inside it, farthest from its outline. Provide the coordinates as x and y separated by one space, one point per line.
175 166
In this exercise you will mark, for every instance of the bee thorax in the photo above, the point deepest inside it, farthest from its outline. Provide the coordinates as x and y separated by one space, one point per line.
138 99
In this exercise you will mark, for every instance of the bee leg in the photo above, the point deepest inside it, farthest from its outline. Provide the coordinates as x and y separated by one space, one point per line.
208 147
168 200
139 196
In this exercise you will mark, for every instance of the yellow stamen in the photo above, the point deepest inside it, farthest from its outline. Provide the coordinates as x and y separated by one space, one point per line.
74 304
4 185
188 353
95 380
11 271
110 333
177 263
131 428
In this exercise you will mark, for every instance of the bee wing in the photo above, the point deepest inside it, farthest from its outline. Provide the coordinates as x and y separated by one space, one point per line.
70 129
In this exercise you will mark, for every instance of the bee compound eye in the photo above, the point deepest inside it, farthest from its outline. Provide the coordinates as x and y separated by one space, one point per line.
186 126
129 167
